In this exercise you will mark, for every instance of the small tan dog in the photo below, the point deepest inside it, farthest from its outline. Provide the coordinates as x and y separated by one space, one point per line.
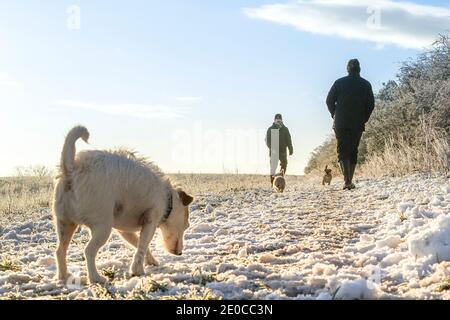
279 182
115 189
327 177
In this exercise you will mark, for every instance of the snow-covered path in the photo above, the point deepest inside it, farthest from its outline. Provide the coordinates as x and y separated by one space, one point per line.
389 238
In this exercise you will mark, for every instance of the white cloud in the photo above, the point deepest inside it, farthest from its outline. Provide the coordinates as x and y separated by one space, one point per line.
131 110
382 22
7 81
189 99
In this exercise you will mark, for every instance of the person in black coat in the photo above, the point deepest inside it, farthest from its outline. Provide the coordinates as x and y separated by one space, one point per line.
280 131
351 103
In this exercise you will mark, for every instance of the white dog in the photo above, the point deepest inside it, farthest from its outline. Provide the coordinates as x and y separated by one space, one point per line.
104 190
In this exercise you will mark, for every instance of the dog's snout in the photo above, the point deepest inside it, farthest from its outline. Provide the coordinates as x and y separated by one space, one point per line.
176 252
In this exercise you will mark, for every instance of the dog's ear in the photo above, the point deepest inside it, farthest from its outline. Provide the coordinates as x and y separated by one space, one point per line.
185 198
326 168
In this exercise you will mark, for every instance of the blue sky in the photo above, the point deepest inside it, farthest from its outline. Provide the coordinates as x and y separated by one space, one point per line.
193 85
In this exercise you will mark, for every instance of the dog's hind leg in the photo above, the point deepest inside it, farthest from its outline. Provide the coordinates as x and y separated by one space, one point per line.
146 235
99 235
65 230
133 239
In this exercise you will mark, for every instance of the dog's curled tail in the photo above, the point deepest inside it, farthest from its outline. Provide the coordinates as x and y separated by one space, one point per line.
68 151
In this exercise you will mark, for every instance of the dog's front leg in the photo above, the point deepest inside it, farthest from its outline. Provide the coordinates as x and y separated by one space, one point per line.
133 239
147 232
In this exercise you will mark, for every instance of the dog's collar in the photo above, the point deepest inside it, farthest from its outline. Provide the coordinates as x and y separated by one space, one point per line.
169 207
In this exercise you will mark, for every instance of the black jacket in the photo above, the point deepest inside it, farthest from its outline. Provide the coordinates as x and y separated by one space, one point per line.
351 102
285 139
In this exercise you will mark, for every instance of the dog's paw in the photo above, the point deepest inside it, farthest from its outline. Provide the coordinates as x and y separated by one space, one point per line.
64 277
97 279
151 261
137 269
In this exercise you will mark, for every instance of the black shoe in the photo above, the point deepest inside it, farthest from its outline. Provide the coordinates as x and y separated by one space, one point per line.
345 167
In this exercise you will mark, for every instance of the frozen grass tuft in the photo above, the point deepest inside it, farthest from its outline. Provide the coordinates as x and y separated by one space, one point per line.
445 286
203 278
427 150
110 273
8 265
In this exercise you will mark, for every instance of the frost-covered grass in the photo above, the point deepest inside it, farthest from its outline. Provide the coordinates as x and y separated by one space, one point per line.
388 239
445 286
8 265
20 195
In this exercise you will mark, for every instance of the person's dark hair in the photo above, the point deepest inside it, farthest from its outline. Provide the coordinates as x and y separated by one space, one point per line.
353 66
278 116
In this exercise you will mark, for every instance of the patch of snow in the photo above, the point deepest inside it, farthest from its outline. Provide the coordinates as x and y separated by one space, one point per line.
11 235
391 242
209 208
323 269
267 258
402 207
433 240
242 253
221 232
389 238
202 228
360 289
18 278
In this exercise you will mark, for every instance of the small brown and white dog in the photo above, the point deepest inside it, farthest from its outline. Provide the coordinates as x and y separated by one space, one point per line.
327 177
115 189
279 182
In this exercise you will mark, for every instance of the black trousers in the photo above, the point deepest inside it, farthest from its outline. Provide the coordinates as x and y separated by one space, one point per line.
283 161
347 144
